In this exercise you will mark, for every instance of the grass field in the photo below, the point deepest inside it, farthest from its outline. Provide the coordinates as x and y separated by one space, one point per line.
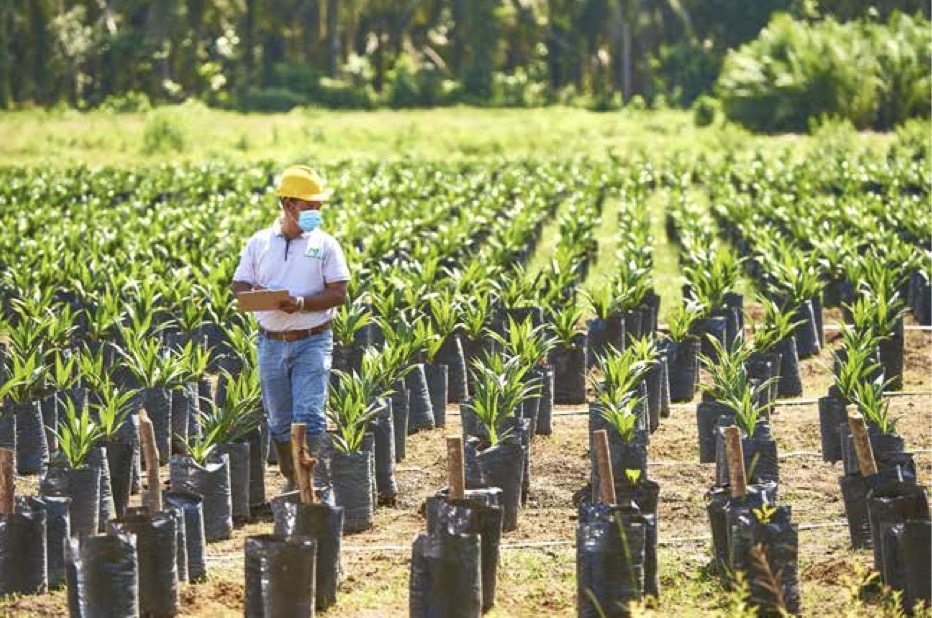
192 133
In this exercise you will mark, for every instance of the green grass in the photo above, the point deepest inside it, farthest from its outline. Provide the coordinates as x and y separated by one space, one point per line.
194 133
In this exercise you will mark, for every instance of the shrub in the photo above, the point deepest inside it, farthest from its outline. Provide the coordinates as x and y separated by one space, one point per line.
684 71
705 111
126 103
339 94
272 100
164 132
868 74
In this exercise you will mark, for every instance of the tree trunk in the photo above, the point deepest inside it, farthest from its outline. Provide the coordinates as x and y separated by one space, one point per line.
626 61
5 74
249 42
333 37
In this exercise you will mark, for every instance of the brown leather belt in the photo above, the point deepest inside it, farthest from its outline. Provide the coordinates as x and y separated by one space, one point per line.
295 335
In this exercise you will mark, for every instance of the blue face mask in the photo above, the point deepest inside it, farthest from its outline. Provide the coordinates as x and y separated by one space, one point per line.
309 220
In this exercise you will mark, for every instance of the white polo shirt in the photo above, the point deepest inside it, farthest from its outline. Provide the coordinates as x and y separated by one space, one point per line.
301 265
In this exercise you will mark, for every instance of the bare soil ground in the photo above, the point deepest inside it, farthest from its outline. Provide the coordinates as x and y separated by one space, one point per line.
540 580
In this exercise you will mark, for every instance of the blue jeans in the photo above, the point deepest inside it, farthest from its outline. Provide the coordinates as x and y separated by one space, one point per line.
294 377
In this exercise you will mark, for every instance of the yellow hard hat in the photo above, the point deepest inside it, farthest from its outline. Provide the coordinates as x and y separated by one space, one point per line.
303 183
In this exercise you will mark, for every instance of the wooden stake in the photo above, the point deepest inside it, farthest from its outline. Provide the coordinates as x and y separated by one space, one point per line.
604 461
303 463
152 499
7 477
456 473
735 456
862 444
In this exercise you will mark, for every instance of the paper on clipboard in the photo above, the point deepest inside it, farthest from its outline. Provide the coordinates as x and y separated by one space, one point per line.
260 300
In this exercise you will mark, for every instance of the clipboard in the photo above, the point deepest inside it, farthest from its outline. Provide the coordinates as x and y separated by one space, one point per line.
260 300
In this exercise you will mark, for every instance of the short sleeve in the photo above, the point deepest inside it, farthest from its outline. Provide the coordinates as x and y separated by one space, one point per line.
246 270
335 268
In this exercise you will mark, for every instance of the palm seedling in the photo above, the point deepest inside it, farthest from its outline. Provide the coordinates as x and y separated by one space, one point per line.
744 399
194 361
474 315
645 349
564 325
444 313
500 388
348 321
622 416
602 300
77 434
350 407
241 345
777 325
150 364
111 410
871 403
93 370
28 374
728 372
240 412
856 365
796 276
621 373
527 342
681 322
62 373
631 284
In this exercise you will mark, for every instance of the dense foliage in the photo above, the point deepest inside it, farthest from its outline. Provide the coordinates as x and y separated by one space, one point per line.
272 56
872 74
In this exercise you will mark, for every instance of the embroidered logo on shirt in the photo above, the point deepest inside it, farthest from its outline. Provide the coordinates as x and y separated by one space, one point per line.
312 252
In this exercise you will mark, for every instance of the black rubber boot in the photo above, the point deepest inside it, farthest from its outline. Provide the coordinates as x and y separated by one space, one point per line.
285 465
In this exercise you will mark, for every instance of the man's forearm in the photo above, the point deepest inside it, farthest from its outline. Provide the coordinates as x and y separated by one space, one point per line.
241 286
325 300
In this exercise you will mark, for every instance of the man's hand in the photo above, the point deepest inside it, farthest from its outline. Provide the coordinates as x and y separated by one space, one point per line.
290 305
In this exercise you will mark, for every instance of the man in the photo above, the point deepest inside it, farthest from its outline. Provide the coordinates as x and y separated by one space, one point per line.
295 341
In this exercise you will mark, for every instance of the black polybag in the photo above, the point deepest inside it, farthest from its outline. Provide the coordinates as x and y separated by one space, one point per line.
120 466
778 538
191 505
400 397
437 377
322 522
82 485
855 490
383 428
279 576
352 488
58 529
569 371
238 457
482 515
102 576
212 482
181 541
158 405
32 452
97 458
256 441
446 573
502 466
451 354
420 409
545 409
156 539
609 559
892 504
723 509
24 549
